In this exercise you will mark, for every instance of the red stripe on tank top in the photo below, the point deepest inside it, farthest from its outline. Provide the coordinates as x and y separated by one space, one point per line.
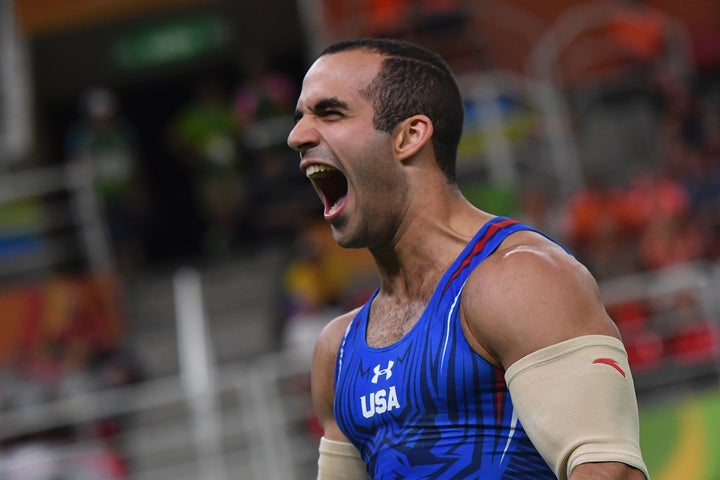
491 231
499 395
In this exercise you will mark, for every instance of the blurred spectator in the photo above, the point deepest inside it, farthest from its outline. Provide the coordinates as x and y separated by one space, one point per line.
204 136
596 230
76 375
56 455
668 240
687 167
537 208
683 117
31 459
280 202
412 18
657 206
320 281
698 171
592 211
87 311
310 296
639 32
45 368
63 368
650 195
71 350
106 144
694 338
115 367
630 316
306 279
91 460
265 93
20 388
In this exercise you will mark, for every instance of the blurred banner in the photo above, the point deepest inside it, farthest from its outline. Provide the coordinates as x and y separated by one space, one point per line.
180 40
61 309
37 17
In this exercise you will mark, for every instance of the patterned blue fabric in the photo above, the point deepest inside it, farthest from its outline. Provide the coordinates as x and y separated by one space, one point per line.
428 406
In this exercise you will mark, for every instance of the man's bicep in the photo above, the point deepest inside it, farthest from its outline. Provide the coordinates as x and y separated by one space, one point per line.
576 402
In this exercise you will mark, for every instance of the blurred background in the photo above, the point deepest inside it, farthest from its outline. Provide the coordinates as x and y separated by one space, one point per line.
163 273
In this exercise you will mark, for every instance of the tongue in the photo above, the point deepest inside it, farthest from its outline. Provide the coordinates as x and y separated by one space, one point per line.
334 209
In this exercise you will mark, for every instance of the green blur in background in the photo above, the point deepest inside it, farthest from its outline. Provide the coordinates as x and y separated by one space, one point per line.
681 441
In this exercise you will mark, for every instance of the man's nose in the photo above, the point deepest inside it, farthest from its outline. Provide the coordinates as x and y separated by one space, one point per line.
302 136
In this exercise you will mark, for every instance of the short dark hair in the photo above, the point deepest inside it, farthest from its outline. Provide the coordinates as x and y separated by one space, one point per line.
413 80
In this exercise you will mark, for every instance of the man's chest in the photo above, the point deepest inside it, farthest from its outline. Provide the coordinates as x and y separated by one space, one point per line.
389 323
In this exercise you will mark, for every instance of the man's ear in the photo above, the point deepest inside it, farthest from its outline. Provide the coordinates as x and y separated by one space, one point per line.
412 135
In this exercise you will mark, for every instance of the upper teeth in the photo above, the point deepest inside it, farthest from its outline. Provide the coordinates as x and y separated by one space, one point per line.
316 169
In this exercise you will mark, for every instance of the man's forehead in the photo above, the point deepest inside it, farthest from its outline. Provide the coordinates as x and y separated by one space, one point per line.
340 72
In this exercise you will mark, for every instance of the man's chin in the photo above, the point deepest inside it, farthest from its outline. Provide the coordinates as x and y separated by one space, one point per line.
344 240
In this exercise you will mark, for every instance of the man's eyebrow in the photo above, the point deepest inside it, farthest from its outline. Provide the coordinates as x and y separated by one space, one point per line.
321 106
329 104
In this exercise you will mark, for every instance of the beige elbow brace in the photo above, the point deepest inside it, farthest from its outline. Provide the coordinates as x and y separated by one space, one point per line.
576 401
340 461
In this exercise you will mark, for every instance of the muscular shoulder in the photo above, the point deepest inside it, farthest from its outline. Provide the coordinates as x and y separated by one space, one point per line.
328 342
530 294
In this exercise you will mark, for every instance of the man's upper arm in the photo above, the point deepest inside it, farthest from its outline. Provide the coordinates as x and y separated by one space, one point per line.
323 375
535 312
338 458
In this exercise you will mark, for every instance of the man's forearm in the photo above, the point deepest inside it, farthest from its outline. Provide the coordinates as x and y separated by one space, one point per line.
606 471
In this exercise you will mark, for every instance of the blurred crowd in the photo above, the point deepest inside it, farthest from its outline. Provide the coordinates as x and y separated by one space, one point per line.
76 361
243 187
229 182
66 368
662 217
666 213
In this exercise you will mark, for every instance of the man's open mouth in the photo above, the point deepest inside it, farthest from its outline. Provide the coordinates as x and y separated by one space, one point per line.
330 184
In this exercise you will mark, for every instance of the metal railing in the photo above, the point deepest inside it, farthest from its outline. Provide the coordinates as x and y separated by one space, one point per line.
69 226
257 434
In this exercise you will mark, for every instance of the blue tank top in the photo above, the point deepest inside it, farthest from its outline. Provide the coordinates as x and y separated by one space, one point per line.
428 406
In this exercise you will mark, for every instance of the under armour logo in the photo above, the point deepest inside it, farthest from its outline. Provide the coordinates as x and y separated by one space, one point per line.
385 371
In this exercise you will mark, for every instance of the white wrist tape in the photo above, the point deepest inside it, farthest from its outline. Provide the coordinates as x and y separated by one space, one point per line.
576 401
340 461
